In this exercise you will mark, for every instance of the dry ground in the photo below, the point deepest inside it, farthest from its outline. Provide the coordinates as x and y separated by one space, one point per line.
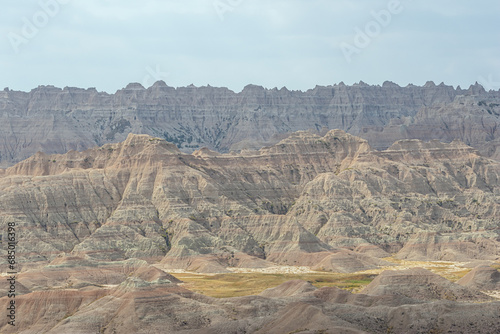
243 282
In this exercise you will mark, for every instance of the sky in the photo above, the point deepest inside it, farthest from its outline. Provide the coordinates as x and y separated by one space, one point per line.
231 43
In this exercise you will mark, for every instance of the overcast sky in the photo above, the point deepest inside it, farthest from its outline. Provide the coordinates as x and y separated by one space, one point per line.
274 43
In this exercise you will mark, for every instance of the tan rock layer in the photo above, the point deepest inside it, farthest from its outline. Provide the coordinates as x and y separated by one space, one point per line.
136 306
329 202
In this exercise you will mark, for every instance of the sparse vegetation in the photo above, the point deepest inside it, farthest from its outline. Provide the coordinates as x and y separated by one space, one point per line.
276 208
179 139
118 127
244 284
452 271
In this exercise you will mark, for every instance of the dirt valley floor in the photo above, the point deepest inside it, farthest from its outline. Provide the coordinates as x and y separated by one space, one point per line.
135 297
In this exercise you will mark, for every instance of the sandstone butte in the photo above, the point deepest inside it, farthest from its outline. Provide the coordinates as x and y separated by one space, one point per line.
99 230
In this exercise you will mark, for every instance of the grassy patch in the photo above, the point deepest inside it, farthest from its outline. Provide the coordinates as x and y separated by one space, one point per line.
451 274
238 284
244 284
452 271
496 266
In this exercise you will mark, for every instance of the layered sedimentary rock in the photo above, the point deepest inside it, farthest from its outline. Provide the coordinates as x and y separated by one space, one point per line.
421 284
54 120
138 306
482 278
97 232
330 203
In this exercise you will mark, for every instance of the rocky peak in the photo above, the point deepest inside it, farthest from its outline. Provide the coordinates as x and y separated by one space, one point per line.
134 86
55 120
429 84
136 150
159 83
252 89
476 89
390 84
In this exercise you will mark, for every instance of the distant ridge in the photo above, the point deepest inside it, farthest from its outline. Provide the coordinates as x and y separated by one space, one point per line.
55 120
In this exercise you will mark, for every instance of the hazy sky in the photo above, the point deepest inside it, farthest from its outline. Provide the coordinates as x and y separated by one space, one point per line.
274 43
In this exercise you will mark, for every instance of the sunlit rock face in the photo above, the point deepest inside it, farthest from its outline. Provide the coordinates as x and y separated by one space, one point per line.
327 202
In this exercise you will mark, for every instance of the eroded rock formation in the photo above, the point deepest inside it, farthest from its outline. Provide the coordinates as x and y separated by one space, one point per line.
136 306
54 120
99 230
330 203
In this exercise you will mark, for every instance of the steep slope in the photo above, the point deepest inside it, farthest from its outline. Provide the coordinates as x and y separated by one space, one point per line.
422 200
54 120
421 284
482 278
143 198
331 203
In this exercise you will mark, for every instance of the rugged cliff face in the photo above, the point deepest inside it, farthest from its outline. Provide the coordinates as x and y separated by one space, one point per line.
54 120
97 231
331 203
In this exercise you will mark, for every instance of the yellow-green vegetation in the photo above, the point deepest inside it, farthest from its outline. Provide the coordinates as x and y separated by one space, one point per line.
244 284
452 275
452 271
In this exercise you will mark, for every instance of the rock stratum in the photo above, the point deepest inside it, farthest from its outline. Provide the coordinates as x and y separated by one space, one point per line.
54 120
140 306
98 231
330 203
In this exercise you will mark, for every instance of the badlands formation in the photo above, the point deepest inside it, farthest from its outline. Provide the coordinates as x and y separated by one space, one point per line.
102 232
55 120
330 203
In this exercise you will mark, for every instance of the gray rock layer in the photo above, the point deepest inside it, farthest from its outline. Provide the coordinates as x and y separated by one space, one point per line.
54 120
